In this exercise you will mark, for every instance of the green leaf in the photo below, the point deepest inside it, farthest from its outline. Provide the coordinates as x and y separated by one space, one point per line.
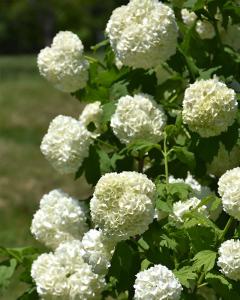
7 270
105 161
163 206
207 73
125 265
201 237
145 264
118 89
168 242
186 275
222 286
204 259
179 190
108 111
185 156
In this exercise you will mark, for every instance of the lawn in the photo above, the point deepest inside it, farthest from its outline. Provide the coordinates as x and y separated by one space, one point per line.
28 103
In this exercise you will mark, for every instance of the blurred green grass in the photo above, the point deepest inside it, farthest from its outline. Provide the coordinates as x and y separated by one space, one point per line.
28 103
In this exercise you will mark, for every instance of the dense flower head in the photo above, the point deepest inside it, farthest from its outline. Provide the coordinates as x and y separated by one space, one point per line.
64 275
224 160
97 251
138 117
60 218
229 259
229 190
209 107
63 64
66 144
142 33
123 204
180 208
203 27
157 283
92 113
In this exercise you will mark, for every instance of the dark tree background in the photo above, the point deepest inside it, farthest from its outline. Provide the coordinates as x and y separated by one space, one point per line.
26 26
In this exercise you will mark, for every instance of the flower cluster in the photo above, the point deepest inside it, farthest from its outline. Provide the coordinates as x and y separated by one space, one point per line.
92 113
64 275
224 160
229 190
59 219
66 144
63 64
158 282
138 117
229 259
142 33
209 107
97 251
123 204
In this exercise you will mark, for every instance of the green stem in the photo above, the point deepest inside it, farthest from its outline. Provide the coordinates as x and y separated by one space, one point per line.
226 228
165 155
106 144
140 163
94 60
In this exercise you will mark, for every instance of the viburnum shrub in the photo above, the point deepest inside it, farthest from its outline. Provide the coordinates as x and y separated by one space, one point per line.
159 142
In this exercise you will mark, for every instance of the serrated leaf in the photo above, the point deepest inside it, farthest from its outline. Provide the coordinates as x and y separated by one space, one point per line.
118 89
168 242
163 206
105 161
108 111
179 190
185 275
204 260
207 73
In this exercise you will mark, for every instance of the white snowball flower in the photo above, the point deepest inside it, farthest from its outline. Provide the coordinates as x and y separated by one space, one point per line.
50 277
60 218
224 160
204 28
64 275
157 283
86 285
209 107
138 117
66 144
97 251
180 209
142 33
229 190
123 204
229 259
92 113
63 64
